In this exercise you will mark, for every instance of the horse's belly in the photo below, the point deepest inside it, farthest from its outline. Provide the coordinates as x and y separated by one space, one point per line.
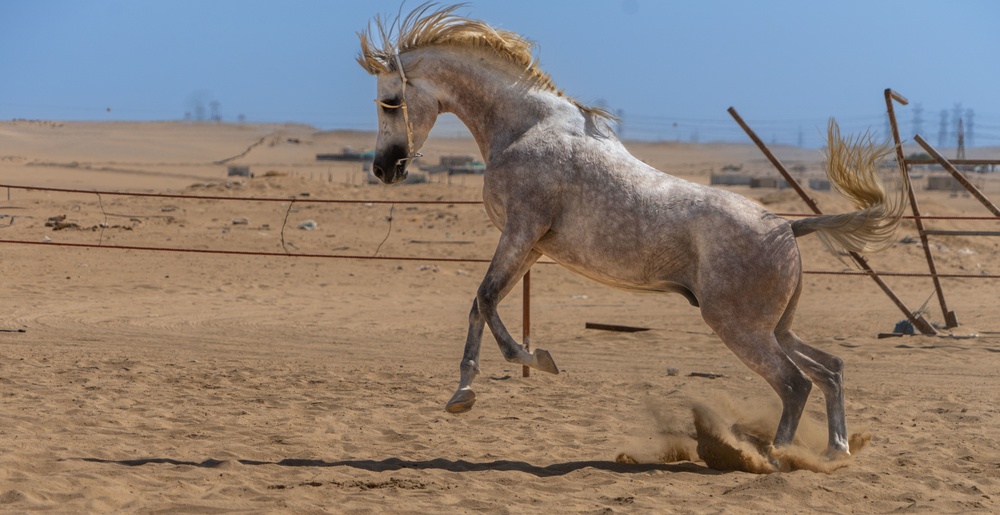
620 271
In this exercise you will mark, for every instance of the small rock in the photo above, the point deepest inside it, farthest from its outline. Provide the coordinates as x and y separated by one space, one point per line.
307 225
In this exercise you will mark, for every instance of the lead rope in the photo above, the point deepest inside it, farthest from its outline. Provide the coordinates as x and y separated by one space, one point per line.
411 155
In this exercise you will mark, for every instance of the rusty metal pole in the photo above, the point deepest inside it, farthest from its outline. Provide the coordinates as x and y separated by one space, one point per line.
949 316
526 320
774 161
917 321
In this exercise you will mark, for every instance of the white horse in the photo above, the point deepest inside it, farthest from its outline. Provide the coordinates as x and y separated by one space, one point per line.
559 183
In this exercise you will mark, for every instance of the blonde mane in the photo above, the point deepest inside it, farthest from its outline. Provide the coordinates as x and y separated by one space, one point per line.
429 25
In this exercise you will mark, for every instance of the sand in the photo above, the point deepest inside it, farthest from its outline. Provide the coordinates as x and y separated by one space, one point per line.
200 383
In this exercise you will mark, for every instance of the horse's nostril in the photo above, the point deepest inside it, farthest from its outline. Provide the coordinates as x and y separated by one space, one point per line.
378 172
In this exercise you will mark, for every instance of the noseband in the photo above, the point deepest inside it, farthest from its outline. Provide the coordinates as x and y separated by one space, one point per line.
411 155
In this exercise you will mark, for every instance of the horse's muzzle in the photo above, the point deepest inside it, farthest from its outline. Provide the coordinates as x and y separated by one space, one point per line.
390 166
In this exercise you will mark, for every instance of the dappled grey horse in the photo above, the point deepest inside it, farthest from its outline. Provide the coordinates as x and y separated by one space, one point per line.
559 183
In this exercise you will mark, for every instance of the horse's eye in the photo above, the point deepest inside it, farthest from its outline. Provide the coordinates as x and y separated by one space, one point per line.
389 105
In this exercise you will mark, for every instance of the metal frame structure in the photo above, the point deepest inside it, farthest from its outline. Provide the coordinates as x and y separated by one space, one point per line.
915 318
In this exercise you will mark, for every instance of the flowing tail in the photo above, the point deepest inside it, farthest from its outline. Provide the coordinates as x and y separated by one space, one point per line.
852 166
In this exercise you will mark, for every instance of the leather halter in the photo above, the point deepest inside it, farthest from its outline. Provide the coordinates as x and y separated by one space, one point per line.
411 155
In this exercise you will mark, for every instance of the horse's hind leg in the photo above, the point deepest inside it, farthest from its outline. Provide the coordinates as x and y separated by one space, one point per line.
759 350
746 326
826 370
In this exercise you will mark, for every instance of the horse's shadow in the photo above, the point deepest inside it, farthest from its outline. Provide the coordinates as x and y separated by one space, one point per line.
391 464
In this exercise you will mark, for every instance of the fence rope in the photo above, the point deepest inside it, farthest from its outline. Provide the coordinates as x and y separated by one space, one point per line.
247 252
434 259
245 199
292 200
377 201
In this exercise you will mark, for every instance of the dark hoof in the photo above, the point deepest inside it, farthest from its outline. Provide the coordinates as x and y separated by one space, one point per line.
462 401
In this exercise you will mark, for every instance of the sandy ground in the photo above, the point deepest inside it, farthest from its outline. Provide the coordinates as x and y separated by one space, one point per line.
182 382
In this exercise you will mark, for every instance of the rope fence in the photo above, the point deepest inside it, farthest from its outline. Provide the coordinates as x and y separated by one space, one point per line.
245 199
379 201
100 193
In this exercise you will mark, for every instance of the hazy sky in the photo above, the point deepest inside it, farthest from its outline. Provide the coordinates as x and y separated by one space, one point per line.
672 67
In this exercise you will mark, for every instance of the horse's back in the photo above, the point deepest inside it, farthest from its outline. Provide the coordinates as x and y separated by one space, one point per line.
620 221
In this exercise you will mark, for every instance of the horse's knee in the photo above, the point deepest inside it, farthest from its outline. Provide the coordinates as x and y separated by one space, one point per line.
474 315
488 291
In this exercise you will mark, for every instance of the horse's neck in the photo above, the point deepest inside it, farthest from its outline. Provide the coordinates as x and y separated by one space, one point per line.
496 101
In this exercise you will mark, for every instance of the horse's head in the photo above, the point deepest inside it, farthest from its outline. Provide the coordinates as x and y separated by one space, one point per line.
407 110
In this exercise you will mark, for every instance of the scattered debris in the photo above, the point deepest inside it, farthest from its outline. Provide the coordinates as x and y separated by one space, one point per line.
708 375
438 242
617 328
58 223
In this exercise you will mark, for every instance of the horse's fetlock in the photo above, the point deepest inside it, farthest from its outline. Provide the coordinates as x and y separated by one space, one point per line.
512 353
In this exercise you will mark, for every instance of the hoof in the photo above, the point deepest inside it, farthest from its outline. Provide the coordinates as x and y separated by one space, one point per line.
778 463
462 401
543 362
836 454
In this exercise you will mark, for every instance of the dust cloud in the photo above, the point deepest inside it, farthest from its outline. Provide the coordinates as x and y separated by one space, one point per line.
736 436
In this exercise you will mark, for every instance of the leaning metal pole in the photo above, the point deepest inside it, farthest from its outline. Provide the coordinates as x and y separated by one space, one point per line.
949 316
914 318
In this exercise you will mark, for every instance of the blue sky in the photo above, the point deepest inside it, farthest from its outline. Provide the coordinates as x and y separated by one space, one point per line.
672 67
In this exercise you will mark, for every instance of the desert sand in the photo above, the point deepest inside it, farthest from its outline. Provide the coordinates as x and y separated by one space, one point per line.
161 382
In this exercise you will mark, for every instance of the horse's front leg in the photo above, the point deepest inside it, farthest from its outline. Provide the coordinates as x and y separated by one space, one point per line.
513 257
489 296
465 397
